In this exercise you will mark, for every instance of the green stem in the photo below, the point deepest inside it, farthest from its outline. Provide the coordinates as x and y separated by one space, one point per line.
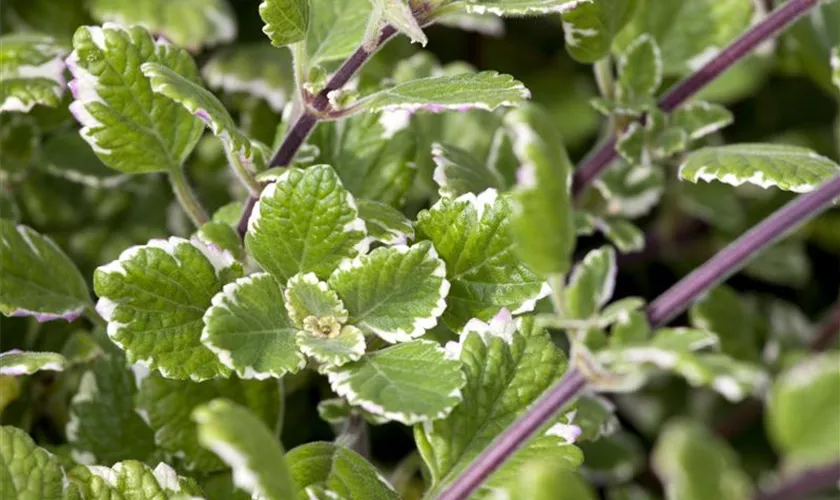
557 282
301 62
187 198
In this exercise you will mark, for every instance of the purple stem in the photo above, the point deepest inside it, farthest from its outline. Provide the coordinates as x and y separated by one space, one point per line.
306 122
803 484
596 162
516 434
736 254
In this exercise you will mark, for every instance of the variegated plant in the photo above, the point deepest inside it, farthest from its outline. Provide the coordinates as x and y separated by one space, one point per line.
409 243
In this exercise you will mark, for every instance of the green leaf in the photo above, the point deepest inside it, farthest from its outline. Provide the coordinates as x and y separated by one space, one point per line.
68 156
631 143
589 27
540 481
396 293
37 278
374 156
248 447
723 312
519 7
347 344
191 23
631 190
783 263
810 388
613 459
487 90
104 426
338 470
835 66
700 118
203 104
630 329
694 464
542 223
17 362
408 383
307 296
27 472
790 168
715 203
131 480
458 172
305 222
398 14
689 32
507 366
639 70
471 234
591 284
812 38
336 29
626 236
286 21
223 236
671 349
169 404
385 223
153 298
257 69
31 72
249 330
129 127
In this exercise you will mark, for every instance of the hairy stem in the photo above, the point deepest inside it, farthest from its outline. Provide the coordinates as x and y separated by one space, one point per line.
663 309
595 162
605 77
242 173
804 483
301 129
515 435
186 197
739 252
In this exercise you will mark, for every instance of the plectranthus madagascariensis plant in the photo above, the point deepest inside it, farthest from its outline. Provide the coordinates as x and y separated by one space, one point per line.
311 249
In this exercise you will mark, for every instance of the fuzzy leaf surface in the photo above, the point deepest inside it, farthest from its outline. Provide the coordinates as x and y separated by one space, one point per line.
542 223
248 447
154 297
248 328
394 292
304 222
31 72
345 346
169 405
471 234
37 278
790 168
339 470
130 128
409 383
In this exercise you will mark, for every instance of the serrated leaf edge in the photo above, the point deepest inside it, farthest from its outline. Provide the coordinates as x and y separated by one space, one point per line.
338 382
420 325
225 356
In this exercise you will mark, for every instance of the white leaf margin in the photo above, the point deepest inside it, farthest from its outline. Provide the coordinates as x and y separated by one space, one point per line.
219 258
30 362
52 69
221 301
529 9
338 383
419 325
